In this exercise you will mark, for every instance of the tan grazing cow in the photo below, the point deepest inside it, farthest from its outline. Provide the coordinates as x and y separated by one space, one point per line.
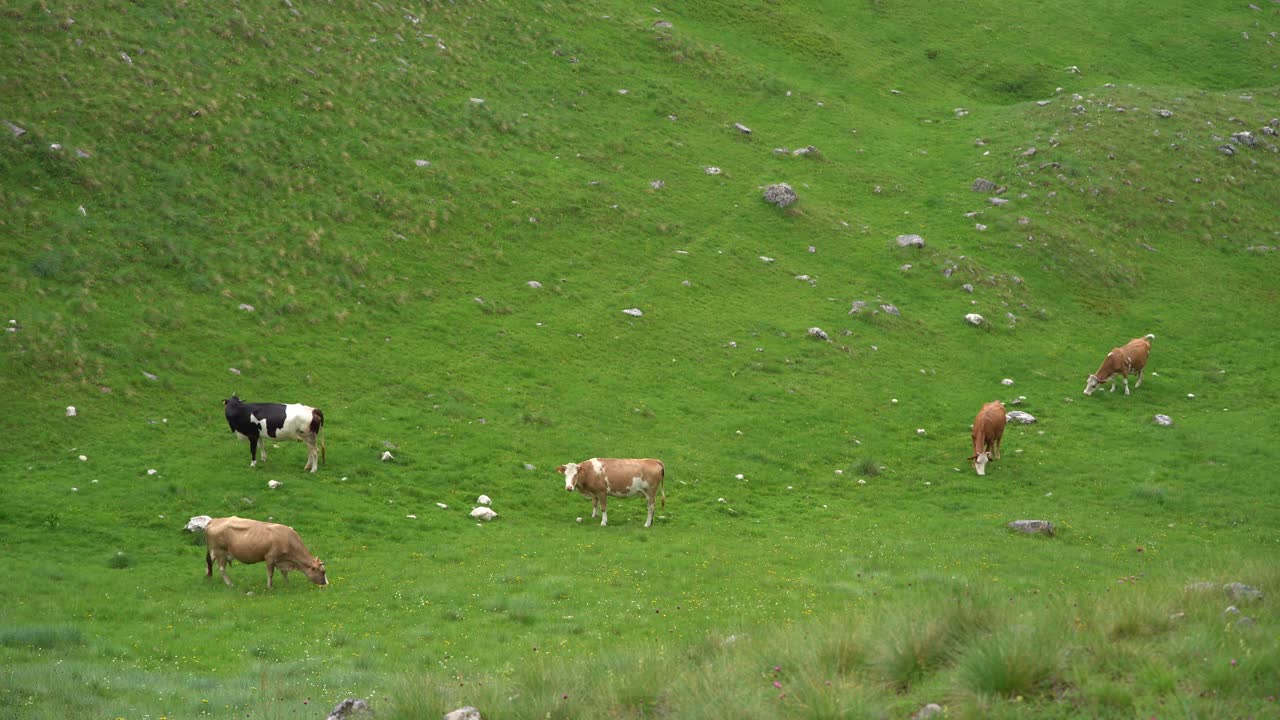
253 541
988 430
1131 357
598 478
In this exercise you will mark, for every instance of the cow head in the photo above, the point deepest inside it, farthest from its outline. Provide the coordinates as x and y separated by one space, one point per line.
980 461
315 572
1091 384
233 400
570 476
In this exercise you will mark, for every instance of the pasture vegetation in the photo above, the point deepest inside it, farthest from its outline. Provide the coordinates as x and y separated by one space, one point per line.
182 159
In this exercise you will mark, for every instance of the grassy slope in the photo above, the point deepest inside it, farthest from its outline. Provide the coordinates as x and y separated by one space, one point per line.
254 156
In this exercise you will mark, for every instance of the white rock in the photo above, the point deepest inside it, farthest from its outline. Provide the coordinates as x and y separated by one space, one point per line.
634 312
483 513
484 500
442 506
386 455
246 307
273 484
920 431
411 517
75 489
861 481
1163 420
1007 381
711 170
534 284
83 458
738 476
1191 396
71 411
477 101
974 319
1019 417
579 519
422 163
910 241
197 522
894 401
721 500
152 471
766 258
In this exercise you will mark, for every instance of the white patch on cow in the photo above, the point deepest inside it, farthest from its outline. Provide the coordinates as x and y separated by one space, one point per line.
980 463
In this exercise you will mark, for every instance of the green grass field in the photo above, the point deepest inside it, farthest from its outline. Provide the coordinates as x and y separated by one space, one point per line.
344 204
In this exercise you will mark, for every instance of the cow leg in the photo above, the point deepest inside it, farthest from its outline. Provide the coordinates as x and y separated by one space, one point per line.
1139 383
604 510
208 562
649 521
595 507
253 452
271 571
1126 384
222 567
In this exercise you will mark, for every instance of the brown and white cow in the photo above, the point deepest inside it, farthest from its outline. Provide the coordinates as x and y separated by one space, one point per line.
254 541
598 478
988 430
1130 357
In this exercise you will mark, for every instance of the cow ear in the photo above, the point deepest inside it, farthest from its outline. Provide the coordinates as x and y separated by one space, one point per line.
561 469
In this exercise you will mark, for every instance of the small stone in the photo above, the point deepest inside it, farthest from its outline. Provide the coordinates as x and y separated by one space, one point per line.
967 287
817 332
1020 417
1029 152
914 241
386 455
742 128
1164 420
1032 527
273 484
484 500
534 284
928 711
890 309
921 431
1239 591
857 307
1006 382
780 194
998 201
711 170
981 185
83 458
974 319
657 184
422 163
246 307
71 411
634 312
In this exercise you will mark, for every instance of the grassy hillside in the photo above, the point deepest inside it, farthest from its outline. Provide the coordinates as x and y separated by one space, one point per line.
345 204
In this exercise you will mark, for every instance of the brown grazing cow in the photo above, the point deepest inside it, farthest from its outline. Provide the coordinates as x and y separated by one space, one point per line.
988 429
598 478
253 541
1131 357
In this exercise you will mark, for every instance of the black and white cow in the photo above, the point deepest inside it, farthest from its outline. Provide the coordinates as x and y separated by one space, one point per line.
253 421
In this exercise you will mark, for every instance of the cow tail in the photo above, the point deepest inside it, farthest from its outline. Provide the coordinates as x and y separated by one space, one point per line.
317 426
662 488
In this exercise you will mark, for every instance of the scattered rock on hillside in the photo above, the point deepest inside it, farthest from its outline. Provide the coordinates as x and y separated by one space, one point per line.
198 522
982 185
1244 137
663 24
1029 152
273 484
71 411
1165 113
974 319
386 455
1020 417
998 201
742 128
534 284
657 184
817 332
17 131
1163 420
1239 591
780 194
634 312
857 307
711 170
928 711
914 241
350 709
967 287
484 500
890 308
1032 527
465 713
806 150
247 307
1227 149
1006 382
484 513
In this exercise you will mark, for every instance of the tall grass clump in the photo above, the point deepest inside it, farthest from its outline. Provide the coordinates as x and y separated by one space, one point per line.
1011 662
